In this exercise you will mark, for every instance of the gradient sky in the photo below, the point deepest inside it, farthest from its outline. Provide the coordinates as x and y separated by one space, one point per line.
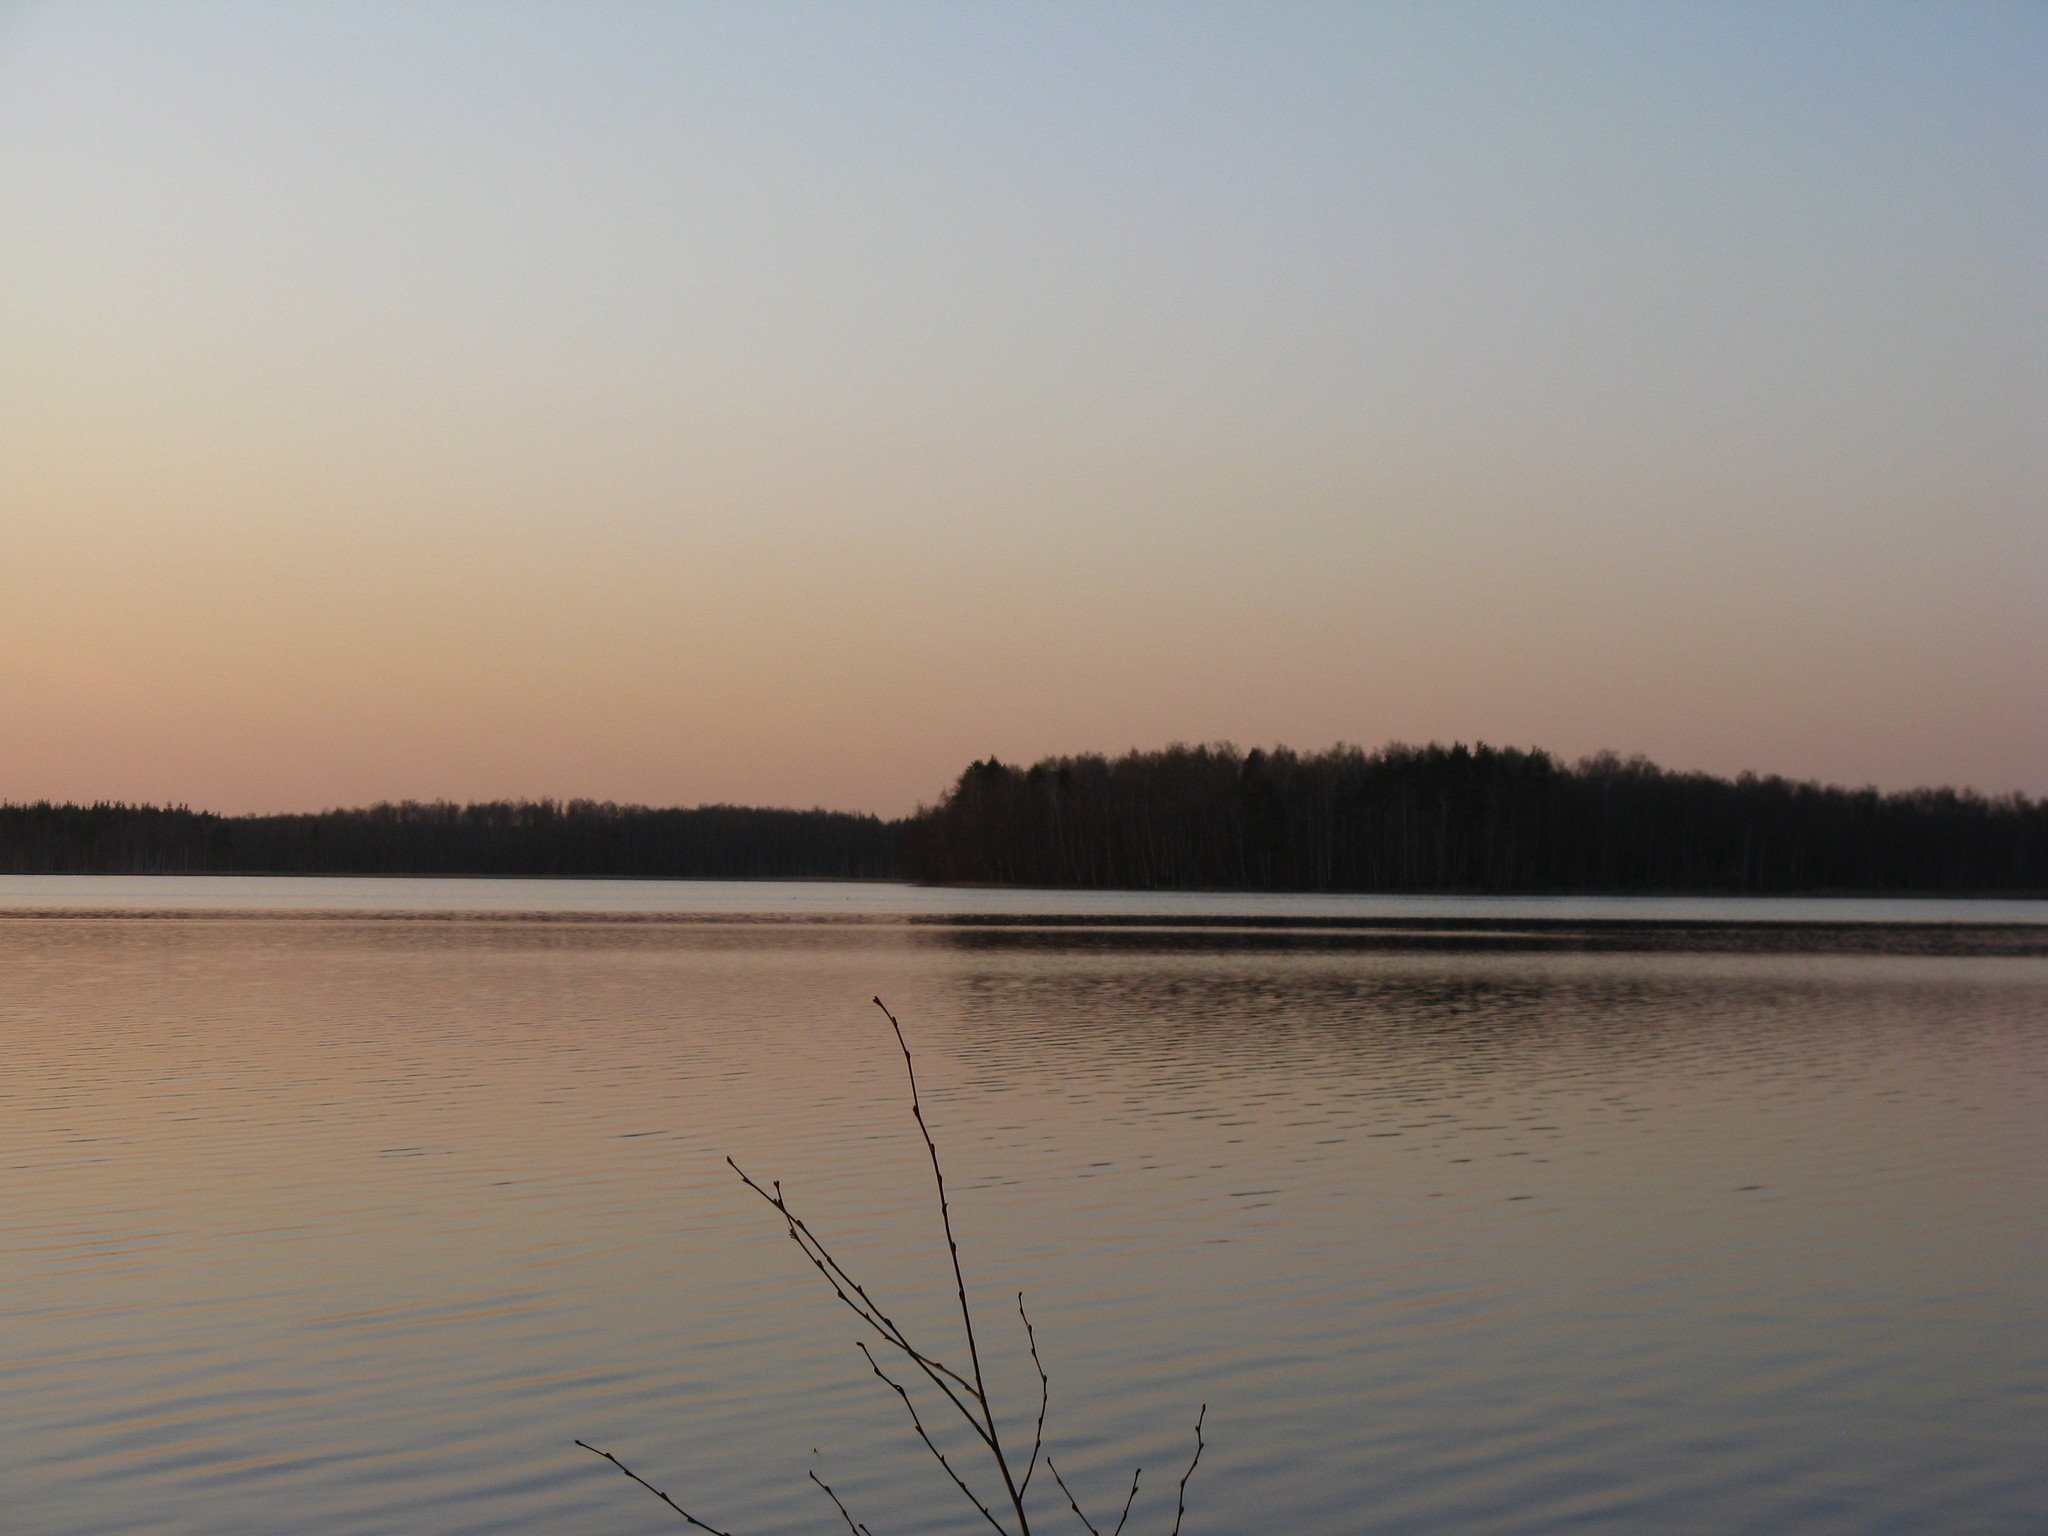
787 404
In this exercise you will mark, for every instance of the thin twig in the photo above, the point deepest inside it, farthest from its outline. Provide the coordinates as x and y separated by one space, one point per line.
671 1503
1044 1397
959 1280
1182 1507
968 1393
822 1257
1129 1499
930 1444
863 1306
851 1524
1078 1513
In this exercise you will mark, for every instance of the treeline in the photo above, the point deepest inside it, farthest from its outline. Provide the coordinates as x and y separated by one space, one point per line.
1479 819
535 837
1430 818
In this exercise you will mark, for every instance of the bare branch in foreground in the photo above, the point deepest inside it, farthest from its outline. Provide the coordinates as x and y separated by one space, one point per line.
1078 1512
930 1444
994 1440
1044 1397
856 1299
851 1524
1182 1507
1129 1499
671 1503
967 1392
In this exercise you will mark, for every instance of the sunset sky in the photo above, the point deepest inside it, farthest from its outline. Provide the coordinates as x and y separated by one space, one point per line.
786 404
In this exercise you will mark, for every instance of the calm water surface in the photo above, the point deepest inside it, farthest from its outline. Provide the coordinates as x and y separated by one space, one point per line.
884 899
1460 1221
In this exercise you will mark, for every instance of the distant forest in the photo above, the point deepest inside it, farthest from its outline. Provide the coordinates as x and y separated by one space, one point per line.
1411 819
537 837
1480 819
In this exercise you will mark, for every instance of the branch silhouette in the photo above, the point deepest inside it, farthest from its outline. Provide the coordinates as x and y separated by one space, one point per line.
965 1390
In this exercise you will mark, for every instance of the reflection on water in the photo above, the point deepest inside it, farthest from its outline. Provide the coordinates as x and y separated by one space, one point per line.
350 1225
755 899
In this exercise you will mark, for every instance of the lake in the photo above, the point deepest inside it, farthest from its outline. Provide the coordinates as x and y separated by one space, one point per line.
345 1206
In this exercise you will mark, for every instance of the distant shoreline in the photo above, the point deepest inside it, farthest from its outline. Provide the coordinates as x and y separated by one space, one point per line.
511 878
1399 821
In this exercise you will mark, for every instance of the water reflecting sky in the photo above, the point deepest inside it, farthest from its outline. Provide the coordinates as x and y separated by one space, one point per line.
283 894
351 1225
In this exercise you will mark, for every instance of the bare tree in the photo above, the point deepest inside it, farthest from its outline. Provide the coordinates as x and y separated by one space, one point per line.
998 1481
